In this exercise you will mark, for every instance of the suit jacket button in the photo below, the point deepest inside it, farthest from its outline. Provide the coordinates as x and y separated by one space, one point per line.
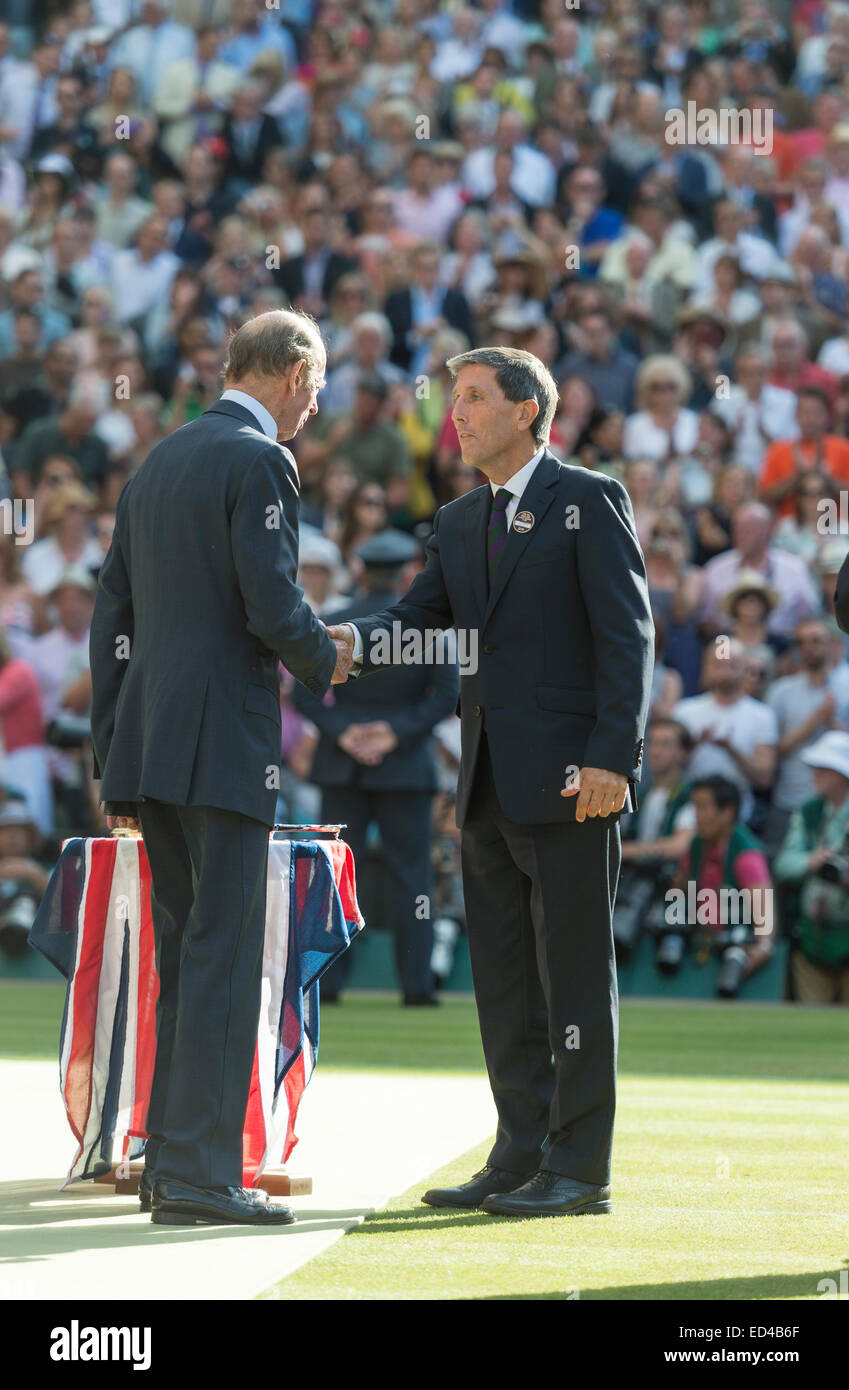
487 647
477 711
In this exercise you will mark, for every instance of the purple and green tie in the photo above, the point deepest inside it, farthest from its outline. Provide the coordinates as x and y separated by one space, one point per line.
496 534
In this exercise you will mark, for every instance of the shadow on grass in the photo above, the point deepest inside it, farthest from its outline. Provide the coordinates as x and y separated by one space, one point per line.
41 1222
746 1288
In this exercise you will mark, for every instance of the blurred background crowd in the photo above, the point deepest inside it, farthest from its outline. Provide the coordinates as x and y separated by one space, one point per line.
423 176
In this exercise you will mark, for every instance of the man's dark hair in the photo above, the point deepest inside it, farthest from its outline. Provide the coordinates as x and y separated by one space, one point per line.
685 738
818 394
724 792
521 377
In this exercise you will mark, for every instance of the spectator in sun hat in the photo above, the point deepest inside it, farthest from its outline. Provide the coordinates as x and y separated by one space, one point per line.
320 570
748 606
751 530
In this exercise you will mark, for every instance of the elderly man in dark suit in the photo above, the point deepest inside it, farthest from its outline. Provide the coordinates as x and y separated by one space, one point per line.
542 566
375 762
197 602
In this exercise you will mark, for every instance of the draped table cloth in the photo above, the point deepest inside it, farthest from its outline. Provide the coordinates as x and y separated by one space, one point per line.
94 924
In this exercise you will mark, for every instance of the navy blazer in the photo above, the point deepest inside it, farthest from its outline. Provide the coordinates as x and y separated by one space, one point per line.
565 638
197 602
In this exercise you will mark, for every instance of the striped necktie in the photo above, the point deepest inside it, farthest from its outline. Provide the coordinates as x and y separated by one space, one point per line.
496 535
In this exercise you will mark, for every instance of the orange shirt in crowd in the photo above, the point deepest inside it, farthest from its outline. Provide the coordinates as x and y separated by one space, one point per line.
788 456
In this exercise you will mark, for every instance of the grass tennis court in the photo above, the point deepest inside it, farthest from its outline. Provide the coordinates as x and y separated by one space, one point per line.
731 1145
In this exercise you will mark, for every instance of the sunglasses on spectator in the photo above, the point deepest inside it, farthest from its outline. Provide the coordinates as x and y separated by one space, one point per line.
663 386
57 479
372 502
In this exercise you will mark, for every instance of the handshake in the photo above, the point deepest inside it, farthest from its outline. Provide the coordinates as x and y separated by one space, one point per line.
343 639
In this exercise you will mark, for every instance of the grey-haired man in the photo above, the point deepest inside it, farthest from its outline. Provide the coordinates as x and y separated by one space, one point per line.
197 603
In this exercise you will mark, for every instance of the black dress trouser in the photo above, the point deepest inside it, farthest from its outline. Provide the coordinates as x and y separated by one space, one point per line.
539 909
404 821
208 898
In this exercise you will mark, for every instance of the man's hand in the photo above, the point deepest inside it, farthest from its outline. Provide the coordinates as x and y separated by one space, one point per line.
344 662
342 632
599 793
343 636
368 743
377 739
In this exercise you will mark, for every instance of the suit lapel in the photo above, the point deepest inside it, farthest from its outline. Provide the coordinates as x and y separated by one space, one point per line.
536 499
477 520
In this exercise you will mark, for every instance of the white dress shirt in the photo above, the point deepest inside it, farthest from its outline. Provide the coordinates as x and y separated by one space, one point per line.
267 422
515 485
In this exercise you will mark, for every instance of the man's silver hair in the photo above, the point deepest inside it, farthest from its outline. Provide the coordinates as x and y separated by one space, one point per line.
271 342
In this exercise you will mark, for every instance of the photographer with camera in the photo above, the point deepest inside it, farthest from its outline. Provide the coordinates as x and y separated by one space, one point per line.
655 836
815 855
23 878
727 866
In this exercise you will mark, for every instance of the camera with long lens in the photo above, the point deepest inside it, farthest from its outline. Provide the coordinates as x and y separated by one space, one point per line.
18 906
640 891
68 731
834 869
670 949
731 945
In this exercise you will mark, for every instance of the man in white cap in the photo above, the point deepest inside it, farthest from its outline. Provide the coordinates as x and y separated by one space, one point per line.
815 855
319 570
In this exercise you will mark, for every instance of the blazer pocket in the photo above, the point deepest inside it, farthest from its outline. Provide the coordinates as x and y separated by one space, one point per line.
568 699
260 700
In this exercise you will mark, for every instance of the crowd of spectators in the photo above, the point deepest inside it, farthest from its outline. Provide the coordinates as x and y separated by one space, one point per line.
422 176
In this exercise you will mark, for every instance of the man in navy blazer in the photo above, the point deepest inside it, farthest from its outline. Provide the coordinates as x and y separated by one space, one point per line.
542 569
197 603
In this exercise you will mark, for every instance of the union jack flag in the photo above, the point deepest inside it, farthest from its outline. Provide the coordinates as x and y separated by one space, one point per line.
94 924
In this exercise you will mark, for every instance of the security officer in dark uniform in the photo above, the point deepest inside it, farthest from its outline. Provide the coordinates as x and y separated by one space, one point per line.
375 762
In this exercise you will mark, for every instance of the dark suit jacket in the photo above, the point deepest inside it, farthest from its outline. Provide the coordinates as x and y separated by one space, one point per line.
841 597
566 638
411 699
290 276
250 168
199 586
399 311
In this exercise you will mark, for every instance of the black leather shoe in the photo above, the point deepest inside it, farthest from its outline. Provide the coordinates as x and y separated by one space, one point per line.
418 1001
145 1190
177 1203
472 1193
550 1194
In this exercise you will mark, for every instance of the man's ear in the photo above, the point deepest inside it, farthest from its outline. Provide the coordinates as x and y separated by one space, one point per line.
528 413
297 375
